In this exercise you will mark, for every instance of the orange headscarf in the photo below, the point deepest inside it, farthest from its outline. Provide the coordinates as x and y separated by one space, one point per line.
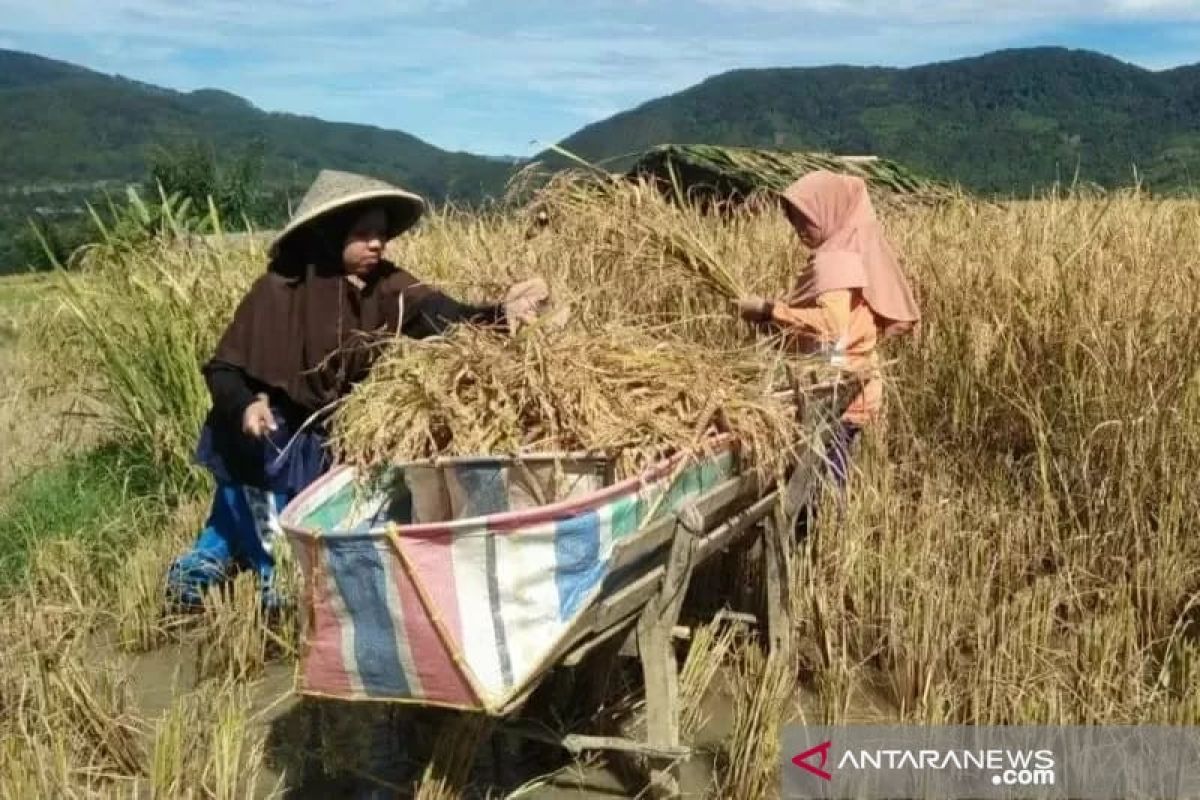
851 251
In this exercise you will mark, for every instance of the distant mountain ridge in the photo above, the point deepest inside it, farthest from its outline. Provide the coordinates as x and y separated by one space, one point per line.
1003 122
60 122
67 133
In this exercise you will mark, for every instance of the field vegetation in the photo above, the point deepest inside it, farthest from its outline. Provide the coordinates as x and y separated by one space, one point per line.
1015 547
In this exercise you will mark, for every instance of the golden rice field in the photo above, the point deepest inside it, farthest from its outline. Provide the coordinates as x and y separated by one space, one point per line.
1017 546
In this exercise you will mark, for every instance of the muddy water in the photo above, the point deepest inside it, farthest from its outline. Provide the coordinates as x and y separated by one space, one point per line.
697 776
157 679
321 750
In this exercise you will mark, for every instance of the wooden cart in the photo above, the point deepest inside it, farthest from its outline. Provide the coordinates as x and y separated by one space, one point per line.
432 613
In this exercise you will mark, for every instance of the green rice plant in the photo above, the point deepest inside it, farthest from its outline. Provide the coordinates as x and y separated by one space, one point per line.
145 320
98 500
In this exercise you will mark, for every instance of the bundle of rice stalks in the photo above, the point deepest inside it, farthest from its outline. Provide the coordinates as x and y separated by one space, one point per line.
617 390
208 744
685 246
634 251
764 683
711 647
237 640
649 231
622 249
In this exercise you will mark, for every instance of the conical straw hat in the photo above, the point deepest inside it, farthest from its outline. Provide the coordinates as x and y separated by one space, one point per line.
333 191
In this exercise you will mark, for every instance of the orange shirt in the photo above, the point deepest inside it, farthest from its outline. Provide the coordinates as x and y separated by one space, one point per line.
840 320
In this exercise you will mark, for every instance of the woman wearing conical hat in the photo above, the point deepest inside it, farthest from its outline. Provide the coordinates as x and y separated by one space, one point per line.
851 294
304 334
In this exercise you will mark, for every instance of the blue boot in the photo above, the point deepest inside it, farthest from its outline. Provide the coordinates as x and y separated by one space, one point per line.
206 565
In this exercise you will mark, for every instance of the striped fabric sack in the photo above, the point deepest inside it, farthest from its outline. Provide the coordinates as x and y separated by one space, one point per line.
461 604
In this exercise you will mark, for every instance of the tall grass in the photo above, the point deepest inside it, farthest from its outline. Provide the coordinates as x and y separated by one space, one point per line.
97 498
1016 545
144 319
35 395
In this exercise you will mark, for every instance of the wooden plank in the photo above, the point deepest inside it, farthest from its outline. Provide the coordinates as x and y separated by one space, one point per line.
576 743
628 599
711 506
803 483
739 523
779 601
660 672
654 628
660 675
629 647
591 643
735 616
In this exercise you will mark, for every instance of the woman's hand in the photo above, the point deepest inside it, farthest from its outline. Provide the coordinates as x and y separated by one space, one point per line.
525 301
754 309
257 420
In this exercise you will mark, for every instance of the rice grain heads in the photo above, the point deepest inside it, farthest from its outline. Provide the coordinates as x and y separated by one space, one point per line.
620 390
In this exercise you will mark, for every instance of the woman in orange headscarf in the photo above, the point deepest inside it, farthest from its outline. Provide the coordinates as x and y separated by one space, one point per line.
851 294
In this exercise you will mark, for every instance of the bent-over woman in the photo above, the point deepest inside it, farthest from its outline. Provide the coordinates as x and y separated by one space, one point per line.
305 333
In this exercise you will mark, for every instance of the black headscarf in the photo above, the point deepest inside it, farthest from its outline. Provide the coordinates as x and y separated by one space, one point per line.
308 329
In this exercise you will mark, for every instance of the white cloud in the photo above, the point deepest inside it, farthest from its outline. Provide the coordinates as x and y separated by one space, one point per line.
920 11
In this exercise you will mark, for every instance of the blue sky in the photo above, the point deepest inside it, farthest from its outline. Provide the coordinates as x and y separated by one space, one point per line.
507 77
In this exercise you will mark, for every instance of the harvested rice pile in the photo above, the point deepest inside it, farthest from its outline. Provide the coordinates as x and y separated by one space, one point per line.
620 390
652 359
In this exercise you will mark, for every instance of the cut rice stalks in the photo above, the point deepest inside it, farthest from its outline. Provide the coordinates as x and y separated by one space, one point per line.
616 390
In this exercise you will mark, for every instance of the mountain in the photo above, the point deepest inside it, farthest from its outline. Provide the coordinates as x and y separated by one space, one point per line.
1003 122
67 133
62 123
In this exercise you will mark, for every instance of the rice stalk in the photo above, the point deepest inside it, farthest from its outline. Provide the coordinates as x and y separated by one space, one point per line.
447 775
207 745
763 691
235 638
140 611
617 391
710 648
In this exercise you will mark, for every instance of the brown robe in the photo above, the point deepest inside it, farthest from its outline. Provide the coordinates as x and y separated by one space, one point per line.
312 338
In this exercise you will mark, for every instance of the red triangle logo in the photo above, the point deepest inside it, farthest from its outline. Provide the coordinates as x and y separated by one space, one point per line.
821 750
